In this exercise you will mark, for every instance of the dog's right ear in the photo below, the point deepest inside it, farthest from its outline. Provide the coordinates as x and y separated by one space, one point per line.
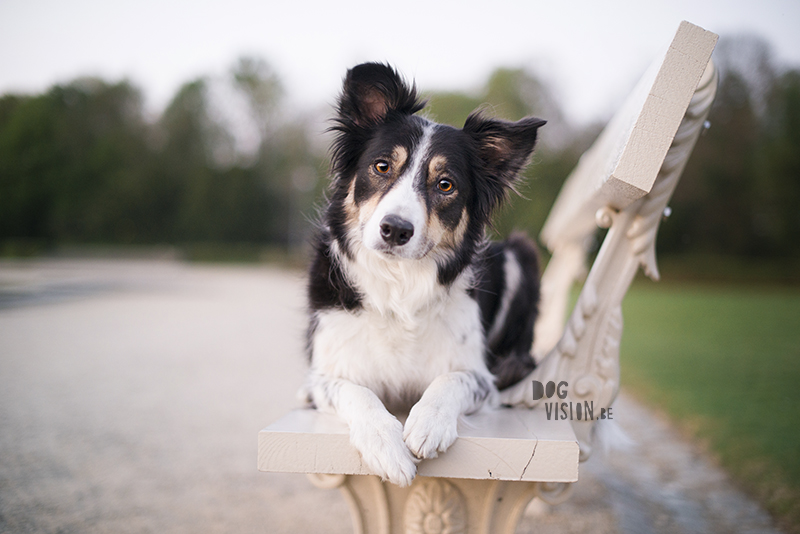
373 90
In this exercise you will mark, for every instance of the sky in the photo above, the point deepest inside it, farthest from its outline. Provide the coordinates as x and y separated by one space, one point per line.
591 52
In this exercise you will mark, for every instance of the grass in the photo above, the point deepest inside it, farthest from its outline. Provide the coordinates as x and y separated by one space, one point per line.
716 269
725 363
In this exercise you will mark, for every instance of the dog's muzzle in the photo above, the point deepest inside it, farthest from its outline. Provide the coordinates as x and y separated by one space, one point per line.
396 231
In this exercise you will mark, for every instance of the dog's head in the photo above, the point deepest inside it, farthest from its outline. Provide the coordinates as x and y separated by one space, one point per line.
406 187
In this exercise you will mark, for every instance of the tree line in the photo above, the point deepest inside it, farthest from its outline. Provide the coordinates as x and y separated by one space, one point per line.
740 192
83 162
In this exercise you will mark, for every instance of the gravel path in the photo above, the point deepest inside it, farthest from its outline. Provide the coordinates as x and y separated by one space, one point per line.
131 394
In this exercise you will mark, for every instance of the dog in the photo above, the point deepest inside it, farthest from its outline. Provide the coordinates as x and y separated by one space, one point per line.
411 310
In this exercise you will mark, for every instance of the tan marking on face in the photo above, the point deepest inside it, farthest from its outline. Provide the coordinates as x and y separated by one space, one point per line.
441 237
360 215
437 232
399 158
367 208
436 168
350 207
461 229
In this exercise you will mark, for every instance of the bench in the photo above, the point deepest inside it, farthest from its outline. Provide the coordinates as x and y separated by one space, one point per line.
506 457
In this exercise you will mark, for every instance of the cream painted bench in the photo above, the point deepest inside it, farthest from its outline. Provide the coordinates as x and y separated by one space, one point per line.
504 458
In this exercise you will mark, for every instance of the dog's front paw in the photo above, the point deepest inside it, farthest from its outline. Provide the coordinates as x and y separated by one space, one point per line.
429 430
379 439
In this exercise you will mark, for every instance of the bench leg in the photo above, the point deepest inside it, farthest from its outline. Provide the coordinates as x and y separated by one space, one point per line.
439 505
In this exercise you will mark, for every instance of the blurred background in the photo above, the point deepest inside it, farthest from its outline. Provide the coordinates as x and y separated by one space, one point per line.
203 128
197 131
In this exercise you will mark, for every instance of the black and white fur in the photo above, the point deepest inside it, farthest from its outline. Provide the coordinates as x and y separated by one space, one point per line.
410 308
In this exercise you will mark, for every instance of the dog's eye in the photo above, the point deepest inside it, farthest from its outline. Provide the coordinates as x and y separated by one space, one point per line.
382 167
445 186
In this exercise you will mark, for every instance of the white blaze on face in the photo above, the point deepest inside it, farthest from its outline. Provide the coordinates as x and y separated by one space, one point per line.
404 201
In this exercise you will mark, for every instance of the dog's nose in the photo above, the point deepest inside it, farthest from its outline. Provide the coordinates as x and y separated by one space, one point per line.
396 230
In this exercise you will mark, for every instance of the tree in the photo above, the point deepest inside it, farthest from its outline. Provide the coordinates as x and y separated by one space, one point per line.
779 168
262 90
739 193
512 94
64 154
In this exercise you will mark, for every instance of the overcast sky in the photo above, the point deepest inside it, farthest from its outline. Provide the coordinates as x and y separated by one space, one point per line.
591 51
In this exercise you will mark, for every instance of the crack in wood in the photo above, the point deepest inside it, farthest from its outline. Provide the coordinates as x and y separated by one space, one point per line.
529 460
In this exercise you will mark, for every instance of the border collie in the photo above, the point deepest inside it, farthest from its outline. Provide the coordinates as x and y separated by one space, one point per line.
411 310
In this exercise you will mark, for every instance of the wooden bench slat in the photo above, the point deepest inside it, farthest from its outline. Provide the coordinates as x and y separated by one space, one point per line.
503 444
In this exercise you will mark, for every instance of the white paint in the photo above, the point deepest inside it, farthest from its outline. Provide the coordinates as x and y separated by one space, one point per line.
492 445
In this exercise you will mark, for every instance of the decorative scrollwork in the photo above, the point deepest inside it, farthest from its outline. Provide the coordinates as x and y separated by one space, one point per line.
325 481
642 232
554 492
605 217
607 363
435 506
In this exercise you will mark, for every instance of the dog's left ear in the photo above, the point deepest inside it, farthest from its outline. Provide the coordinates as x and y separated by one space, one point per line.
503 148
371 91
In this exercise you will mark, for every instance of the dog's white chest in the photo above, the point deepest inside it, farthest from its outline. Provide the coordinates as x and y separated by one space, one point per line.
395 356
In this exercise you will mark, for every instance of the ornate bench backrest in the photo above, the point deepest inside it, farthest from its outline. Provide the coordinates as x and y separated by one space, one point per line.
623 183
